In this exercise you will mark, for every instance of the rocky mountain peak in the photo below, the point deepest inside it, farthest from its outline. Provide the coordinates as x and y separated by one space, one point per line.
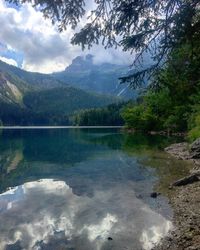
80 63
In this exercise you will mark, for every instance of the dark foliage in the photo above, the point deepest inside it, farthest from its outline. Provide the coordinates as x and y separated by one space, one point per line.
107 116
175 104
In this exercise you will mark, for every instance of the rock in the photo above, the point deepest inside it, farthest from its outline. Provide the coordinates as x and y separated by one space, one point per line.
154 195
195 145
184 151
195 149
110 238
179 150
187 180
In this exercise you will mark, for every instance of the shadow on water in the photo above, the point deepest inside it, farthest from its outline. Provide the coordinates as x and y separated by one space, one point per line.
83 189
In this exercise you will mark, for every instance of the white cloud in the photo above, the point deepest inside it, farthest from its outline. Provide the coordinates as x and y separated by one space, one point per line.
9 61
25 30
43 47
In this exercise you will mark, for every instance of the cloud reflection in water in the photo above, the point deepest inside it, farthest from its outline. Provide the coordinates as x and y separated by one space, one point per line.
46 214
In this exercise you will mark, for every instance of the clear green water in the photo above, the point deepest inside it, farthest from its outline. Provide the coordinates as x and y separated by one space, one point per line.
75 188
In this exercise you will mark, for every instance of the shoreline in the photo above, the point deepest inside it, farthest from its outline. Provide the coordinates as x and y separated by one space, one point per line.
185 202
56 127
163 133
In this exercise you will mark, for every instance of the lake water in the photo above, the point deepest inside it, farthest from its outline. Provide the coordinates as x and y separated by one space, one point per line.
84 189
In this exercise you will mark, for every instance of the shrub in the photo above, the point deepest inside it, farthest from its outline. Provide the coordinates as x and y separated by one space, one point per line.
194 125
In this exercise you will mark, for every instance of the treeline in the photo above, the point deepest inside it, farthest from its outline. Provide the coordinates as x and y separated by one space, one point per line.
173 104
110 115
107 116
13 115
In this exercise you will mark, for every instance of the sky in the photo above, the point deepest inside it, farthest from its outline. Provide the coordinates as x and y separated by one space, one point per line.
29 41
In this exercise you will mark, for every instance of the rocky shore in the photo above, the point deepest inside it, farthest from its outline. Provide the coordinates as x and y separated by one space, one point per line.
185 200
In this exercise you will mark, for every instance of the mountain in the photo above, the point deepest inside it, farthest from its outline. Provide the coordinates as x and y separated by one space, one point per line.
101 78
35 80
81 73
28 98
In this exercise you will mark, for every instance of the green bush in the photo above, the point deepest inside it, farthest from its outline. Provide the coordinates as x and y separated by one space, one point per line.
140 117
194 125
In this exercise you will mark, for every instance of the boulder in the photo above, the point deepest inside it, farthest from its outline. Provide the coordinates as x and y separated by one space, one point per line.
195 149
187 180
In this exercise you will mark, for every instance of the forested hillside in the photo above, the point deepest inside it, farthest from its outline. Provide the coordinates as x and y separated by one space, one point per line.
64 100
28 98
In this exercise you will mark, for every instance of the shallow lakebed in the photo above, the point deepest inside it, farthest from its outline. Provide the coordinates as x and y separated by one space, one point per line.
84 189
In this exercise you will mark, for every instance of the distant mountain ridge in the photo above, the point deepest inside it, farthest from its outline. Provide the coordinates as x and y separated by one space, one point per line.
28 98
81 64
35 80
101 78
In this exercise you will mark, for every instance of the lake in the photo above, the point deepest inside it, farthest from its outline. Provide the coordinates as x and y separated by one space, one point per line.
84 189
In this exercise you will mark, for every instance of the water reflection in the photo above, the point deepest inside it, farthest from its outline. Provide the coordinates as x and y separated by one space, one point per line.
72 189
46 214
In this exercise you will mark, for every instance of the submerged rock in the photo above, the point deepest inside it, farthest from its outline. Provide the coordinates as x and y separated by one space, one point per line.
110 238
139 196
154 195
